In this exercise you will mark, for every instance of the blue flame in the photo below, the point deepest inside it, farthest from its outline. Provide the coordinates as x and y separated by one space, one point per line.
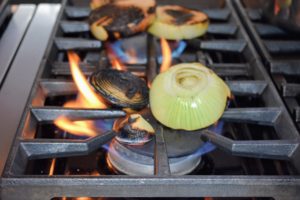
177 51
105 125
141 57
208 147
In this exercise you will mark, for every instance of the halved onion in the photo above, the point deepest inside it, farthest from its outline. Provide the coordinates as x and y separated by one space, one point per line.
188 96
175 23
121 18
121 88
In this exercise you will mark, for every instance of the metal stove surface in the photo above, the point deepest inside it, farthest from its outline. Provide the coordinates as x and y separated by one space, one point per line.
256 157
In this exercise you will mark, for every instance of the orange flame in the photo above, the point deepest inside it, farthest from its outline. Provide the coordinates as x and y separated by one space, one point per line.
93 100
116 64
51 170
166 55
76 127
114 60
276 8
86 98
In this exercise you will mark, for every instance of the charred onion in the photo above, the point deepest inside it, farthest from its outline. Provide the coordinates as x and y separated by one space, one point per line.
121 88
175 23
133 129
188 96
121 18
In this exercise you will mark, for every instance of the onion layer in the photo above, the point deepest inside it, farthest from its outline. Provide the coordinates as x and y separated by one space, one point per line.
175 23
188 96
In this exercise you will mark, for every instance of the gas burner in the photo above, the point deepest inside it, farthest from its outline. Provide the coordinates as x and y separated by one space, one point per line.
127 161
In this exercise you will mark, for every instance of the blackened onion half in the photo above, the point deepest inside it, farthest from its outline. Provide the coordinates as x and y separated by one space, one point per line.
121 18
121 88
175 22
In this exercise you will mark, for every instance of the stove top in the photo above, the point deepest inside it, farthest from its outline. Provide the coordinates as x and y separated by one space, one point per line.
254 154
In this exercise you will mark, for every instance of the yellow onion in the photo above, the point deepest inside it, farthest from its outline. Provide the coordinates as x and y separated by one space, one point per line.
121 18
188 96
175 23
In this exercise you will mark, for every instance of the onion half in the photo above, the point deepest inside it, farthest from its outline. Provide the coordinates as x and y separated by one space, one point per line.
188 96
121 18
175 23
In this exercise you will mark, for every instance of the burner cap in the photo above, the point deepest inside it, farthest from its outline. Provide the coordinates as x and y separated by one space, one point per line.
129 162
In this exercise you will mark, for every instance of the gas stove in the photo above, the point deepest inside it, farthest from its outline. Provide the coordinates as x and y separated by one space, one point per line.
252 153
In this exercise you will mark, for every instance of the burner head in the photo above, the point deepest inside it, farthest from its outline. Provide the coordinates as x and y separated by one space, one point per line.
127 161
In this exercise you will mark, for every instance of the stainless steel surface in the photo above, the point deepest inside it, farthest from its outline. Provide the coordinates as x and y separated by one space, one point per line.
14 94
13 36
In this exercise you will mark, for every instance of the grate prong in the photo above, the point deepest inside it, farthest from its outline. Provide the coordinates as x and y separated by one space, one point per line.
254 14
63 68
57 148
246 88
77 12
268 149
74 26
266 30
50 113
290 89
234 46
286 47
290 67
222 29
77 44
261 116
217 14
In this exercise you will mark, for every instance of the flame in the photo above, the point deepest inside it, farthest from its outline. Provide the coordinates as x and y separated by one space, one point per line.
116 64
166 55
51 171
84 87
276 8
86 98
79 128
114 60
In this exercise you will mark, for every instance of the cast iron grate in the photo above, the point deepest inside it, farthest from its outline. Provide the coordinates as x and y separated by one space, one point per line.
257 123
279 50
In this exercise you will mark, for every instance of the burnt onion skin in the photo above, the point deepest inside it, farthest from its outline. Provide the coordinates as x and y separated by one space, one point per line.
175 22
134 129
121 88
121 18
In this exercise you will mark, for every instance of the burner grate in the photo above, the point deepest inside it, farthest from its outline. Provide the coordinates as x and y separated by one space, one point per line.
258 127
279 50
